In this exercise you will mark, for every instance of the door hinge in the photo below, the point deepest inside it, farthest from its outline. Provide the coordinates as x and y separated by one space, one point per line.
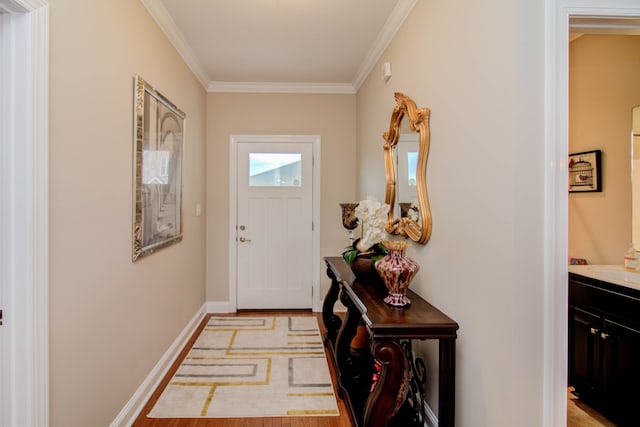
0 317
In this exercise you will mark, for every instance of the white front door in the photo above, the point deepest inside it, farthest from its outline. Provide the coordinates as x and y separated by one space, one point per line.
274 227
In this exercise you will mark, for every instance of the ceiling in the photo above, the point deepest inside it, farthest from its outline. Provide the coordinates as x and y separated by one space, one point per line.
311 46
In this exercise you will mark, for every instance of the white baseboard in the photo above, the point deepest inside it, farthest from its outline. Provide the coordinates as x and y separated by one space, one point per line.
130 412
431 419
227 307
220 307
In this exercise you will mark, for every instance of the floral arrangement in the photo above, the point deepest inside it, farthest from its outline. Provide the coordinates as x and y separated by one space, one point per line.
414 212
372 219
410 210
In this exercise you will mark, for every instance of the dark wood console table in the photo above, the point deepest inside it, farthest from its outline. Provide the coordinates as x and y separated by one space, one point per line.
383 402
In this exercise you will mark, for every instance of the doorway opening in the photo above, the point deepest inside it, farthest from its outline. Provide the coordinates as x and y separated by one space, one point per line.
602 52
24 106
274 222
559 13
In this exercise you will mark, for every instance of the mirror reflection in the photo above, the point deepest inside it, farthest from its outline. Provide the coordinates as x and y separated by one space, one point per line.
406 187
405 155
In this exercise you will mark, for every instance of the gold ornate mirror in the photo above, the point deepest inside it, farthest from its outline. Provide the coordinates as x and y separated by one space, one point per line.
405 158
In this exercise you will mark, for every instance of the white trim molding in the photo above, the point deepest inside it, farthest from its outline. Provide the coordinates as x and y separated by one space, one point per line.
134 406
391 27
234 140
220 307
431 420
273 87
162 17
24 120
164 20
558 13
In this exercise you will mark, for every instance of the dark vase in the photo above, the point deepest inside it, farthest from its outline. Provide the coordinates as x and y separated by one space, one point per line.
365 271
397 271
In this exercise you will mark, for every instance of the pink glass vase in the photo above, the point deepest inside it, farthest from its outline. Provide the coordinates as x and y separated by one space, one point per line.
397 271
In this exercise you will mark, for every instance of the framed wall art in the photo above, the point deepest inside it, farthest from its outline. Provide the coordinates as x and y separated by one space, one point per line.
157 170
585 172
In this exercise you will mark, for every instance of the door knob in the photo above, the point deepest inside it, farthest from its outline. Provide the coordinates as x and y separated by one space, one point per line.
242 239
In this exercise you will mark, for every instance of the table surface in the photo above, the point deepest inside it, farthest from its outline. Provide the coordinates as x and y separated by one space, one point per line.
420 320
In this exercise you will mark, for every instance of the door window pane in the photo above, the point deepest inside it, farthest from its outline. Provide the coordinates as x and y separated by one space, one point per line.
412 161
275 169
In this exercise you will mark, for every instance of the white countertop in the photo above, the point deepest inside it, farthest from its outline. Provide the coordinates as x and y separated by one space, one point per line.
609 273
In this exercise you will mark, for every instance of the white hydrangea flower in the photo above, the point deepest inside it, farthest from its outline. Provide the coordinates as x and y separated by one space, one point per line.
414 212
372 216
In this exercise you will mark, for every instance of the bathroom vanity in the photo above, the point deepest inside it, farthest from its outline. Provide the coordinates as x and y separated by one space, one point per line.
604 340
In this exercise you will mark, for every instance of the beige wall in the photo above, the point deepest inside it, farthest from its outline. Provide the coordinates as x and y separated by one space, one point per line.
330 116
604 85
111 320
479 66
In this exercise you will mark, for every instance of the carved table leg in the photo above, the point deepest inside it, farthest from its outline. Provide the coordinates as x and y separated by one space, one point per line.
346 334
355 367
390 390
331 321
447 383
412 413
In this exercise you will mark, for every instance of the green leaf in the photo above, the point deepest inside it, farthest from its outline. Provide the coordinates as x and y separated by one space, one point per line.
349 255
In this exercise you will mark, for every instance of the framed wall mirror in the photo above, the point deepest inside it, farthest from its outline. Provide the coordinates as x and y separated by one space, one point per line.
157 170
406 150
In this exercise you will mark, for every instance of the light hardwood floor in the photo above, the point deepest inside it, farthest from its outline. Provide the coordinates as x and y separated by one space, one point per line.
581 415
142 421
578 414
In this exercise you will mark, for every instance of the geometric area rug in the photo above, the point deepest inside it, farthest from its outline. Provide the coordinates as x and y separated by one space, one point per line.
242 367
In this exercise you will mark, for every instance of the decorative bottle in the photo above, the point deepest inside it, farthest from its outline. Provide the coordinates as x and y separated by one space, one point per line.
397 271
631 259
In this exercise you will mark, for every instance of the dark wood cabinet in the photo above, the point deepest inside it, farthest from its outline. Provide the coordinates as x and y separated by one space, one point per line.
604 347
584 351
621 371
380 382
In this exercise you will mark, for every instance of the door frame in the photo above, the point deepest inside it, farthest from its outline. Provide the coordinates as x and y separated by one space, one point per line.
234 140
556 106
24 124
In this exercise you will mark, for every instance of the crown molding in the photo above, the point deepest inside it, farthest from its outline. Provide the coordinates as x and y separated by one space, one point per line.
619 25
273 87
390 29
159 13
21 6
